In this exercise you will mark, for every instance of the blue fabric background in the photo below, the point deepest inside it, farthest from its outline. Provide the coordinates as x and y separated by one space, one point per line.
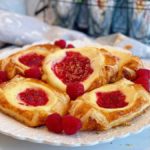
102 17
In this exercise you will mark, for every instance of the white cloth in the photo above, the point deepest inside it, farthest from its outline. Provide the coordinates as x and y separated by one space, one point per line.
21 30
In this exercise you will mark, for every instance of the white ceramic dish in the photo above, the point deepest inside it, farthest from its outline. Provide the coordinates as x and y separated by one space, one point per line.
13 128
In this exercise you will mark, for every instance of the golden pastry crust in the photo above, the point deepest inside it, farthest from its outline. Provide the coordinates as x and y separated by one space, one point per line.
103 63
128 64
94 117
13 66
30 115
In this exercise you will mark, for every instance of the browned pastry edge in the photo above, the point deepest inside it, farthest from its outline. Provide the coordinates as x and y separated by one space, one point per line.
128 70
80 109
109 71
34 117
28 116
13 69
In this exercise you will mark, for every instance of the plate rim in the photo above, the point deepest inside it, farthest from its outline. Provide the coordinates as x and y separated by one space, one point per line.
30 139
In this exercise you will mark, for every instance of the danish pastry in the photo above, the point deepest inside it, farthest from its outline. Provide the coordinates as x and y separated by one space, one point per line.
30 101
19 62
86 65
93 67
110 105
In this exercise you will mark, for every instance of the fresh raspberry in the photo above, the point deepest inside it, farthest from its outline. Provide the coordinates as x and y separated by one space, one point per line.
60 43
74 90
144 81
143 73
70 46
71 124
54 123
33 72
3 76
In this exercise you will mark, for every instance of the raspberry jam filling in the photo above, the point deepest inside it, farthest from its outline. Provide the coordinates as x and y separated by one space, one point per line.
114 99
31 59
33 97
73 68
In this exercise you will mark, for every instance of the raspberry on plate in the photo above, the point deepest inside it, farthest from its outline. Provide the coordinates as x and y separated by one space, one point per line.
57 124
54 123
71 125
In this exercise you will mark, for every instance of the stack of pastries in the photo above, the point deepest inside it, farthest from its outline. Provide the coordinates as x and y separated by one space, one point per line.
93 84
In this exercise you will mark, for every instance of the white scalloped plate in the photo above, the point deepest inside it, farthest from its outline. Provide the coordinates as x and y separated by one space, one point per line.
11 127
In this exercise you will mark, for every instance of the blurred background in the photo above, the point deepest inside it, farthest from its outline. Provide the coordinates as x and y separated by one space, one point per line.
90 18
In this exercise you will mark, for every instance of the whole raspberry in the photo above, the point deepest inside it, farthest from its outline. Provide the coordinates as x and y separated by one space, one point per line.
60 43
70 46
33 72
71 125
3 76
74 90
54 123
143 73
144 81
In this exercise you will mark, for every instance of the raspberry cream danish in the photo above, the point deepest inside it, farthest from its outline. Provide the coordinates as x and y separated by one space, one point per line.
30 101
86 66
31 57
110 105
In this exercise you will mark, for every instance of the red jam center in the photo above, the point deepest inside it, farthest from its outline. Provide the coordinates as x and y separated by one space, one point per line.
33 97
115 99
73 68
32 59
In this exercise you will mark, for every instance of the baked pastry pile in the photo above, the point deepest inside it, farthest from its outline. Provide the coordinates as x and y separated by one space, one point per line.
93 84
